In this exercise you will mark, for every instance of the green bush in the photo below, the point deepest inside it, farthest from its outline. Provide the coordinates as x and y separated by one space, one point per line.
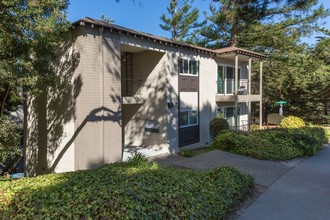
255 127
137 189
273 144
217 126
9 139
292 122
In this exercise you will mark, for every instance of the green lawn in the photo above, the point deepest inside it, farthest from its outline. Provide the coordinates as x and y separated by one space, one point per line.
134 190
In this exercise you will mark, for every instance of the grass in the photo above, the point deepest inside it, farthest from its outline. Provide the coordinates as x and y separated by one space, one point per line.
194 152
138 189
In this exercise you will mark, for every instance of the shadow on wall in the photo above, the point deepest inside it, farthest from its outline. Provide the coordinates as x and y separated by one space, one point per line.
50 109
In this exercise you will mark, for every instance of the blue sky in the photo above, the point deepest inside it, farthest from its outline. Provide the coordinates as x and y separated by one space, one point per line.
141 18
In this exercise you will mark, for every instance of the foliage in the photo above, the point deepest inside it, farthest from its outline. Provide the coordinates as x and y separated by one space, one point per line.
302 78
182 21
30 34
295 72
218 125
9 140
126 191
107 19
194 152
292 122
229 19
273 144
255 127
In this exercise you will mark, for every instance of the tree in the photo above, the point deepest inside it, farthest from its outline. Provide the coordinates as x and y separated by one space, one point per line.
293 71
31 35
229 19
182 21
244 22
107 19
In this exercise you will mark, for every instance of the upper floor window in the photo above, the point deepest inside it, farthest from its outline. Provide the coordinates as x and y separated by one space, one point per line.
188 67
226 79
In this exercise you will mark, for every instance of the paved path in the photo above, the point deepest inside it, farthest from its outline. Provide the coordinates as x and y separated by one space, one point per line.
302 193
264 172
298 189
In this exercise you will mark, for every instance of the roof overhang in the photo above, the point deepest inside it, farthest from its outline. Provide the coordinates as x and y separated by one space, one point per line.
94 23
244 55
226 53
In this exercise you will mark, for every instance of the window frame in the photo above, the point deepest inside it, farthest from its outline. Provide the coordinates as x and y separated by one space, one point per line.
181 64
225 78
189 111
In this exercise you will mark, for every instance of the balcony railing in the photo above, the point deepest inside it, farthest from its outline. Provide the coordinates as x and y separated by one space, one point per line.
130 87
227 87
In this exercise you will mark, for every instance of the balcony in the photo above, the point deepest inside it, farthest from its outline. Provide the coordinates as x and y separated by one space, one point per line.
226 91
131 91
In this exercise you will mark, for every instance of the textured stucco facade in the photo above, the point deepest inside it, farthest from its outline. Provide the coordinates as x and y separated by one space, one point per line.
124 96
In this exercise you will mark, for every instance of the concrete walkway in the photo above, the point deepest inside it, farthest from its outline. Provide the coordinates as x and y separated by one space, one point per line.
264 172
296 189
302 193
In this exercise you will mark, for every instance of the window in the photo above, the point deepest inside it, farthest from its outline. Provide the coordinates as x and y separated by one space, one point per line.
188 117
226 79
228 113
189 67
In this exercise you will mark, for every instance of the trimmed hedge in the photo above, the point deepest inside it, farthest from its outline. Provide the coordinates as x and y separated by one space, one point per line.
134 190
273 144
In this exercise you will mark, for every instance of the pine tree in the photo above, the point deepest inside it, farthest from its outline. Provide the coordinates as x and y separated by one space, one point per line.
183 19
245 22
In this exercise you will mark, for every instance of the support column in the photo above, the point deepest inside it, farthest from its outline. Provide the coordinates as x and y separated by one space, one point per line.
236 90
260 92
249 93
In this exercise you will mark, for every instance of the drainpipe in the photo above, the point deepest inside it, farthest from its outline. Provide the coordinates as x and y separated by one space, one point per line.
249 93
101 31
236 90
260 92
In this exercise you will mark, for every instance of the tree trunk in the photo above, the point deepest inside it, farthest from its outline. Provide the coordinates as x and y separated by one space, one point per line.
3 101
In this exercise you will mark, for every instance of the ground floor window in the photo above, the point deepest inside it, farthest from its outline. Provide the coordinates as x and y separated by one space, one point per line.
228 113
188 117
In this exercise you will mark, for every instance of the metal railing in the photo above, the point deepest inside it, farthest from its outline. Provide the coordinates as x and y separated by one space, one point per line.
227 87
130 87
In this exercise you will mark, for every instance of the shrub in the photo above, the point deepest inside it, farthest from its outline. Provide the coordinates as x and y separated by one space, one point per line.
217 126
273 144
126 191
292 122
255 127
9 140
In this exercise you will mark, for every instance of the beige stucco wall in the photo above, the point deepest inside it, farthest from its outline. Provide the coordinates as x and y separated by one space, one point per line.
90 134
151 68
49 122
77 123
98 110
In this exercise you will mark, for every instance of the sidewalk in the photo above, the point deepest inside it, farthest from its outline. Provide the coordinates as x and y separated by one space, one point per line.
296 189
302 193
264 172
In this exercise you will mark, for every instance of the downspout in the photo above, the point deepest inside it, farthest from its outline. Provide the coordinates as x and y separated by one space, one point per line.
249 93
260 92
236 90
101 31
